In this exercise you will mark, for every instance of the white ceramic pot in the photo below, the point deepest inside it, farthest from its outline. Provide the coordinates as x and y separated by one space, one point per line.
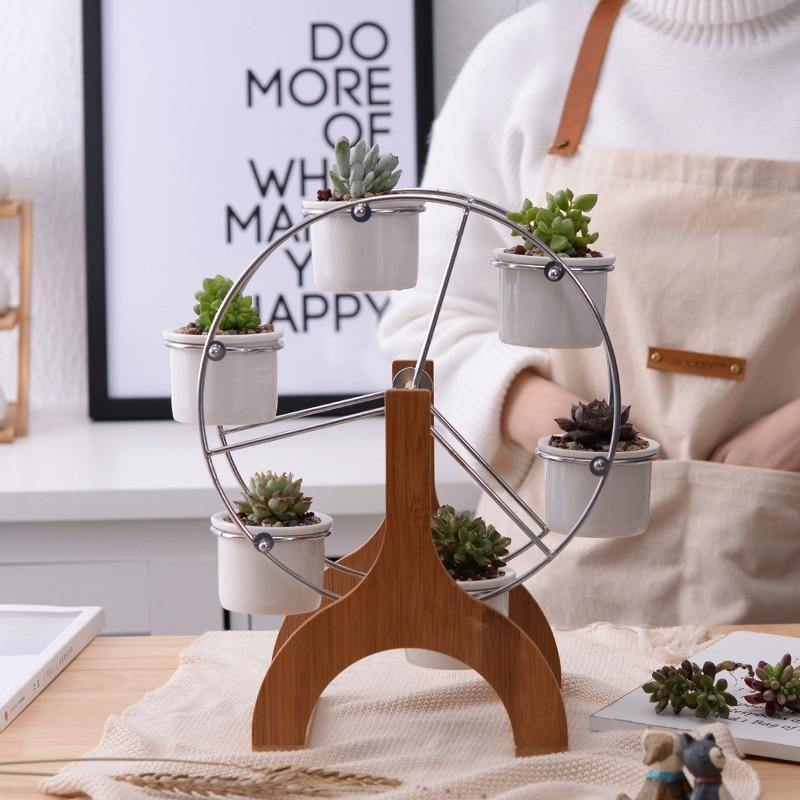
381 254
240 389
249 583
434 660
5 293
537 312
623 507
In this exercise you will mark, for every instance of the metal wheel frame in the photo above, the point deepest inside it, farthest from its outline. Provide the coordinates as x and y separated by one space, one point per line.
442 430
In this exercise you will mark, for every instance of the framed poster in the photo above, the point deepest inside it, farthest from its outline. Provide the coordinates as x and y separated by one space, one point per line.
206 124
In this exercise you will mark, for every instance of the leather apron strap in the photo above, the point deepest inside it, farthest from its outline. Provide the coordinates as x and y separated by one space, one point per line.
584 78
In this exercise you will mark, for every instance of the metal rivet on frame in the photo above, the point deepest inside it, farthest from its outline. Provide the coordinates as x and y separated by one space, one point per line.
216 351
361 212
598 466
554 271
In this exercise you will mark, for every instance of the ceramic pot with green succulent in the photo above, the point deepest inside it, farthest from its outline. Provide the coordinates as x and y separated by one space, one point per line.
473 552
536 311
623 506
241 388
250 582
374 247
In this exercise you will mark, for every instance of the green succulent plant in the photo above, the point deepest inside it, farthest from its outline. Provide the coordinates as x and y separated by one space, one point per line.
276 501
694 687
360 171
777 686
562 224
241 314
590 424
468 547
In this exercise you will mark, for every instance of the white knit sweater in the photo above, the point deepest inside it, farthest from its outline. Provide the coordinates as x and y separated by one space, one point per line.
694 76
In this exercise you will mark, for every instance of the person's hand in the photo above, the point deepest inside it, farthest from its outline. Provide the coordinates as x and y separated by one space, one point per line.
531 406
771 442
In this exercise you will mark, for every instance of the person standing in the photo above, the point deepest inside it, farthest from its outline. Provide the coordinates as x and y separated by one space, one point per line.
684 117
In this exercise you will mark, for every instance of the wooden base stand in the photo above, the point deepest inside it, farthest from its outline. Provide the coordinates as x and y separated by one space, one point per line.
407 599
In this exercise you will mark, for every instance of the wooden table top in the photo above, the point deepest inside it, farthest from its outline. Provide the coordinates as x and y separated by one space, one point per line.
113 673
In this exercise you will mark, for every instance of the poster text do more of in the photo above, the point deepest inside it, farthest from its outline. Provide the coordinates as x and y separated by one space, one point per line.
348 87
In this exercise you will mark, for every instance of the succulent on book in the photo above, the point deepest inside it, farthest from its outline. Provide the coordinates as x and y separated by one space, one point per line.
777 686
694 687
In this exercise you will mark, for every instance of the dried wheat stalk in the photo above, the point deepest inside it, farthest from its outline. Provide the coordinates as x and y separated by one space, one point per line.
271 782
280 782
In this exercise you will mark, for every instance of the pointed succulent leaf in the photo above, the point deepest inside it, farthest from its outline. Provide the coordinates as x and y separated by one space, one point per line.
371 158
585 202
342 153
392 182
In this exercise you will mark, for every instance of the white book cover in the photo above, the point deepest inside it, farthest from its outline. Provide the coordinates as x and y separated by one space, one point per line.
36 643
754 732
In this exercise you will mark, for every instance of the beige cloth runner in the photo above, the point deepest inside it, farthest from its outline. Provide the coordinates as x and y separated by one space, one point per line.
441 730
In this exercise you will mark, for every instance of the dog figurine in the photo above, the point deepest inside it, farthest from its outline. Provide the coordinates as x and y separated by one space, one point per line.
705 760
665 779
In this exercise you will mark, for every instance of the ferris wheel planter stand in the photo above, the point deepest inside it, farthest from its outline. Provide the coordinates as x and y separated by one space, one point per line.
367 605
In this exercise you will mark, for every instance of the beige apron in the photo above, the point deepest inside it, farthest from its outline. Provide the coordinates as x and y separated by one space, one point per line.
707 261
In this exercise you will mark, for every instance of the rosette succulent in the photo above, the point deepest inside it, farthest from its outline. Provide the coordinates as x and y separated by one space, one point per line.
562 224
694 687
361 171
777 686
276 501
241 314
469 548
590 425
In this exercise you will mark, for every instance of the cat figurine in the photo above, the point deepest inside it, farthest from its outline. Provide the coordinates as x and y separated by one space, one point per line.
665 779
705 760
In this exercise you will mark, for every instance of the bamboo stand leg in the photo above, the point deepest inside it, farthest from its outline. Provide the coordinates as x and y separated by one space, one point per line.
362 558
407 599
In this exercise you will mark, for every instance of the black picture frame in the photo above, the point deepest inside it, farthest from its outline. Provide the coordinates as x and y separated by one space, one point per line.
102 406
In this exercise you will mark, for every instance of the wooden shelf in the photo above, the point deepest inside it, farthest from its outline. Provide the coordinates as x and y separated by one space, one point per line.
20 318
8 429
10 208
9 319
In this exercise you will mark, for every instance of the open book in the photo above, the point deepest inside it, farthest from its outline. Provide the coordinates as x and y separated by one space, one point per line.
754 732
36 643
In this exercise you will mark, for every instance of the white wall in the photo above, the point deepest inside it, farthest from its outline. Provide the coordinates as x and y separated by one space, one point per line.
41 131
41 140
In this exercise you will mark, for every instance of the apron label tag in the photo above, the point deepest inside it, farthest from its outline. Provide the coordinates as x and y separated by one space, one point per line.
690 363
